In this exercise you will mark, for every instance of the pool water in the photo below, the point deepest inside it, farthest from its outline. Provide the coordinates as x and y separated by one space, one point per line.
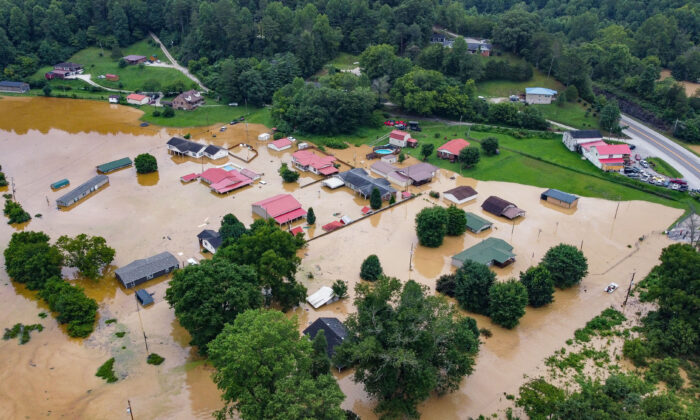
384 151
228 168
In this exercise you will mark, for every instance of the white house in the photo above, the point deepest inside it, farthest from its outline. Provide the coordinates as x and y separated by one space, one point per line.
399 138
264 137
281 144
573 139
539 95
180 146
209 240
113 99
323 296
136 99
215 152
461 195
392 158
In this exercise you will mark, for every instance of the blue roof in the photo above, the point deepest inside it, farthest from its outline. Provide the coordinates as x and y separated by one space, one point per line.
8 83
540 91
560 195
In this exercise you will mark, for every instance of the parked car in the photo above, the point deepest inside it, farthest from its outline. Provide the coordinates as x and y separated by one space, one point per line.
633 175
637 157
644 163
389 123
611 287
234 122
675 187
233 104
632 146
222 129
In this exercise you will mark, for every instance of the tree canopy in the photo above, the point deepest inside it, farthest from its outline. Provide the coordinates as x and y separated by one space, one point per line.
89 254
145 162
30 259
540 287
431 226
231 229
371 268
456 221
472 284
507 301
566 264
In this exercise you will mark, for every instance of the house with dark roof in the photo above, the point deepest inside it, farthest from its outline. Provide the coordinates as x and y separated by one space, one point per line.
13 87
362 183
500 207
68 66
461 195
560 198
573 139
180 146
451 149
188 100
209 240
284 208
140 271
134 59
477 224
333 329
490 251
215 152
144 297
419 173
82 191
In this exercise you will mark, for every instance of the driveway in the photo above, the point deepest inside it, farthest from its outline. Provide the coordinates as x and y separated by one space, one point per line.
658 145
87 79
175 65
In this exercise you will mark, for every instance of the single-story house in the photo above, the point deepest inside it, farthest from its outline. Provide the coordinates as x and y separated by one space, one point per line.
539 95
358 180
333 329
451 149
134 59
13 87
560 198
57 74
333 182
284 208
402 139
281 144
307 160
489 251
442 39
418 174
461 195
608 157
188 100
68 66
140 271
215 152
500 207
180 146
137 99
477 224
223 181
382 168
112 166
144 297
479 46
82 190
392 158
322 296
573 139
189 177
113 99
264 137
209 240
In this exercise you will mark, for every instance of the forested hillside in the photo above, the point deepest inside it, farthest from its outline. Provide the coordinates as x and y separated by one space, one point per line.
248 49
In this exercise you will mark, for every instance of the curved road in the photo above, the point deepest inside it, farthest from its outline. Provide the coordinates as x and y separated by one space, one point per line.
175 65
685 161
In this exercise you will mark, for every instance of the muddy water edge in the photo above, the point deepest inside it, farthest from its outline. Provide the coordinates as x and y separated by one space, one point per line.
43 140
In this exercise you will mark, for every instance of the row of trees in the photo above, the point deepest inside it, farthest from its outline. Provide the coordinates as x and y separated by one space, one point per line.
433 223
30 259
474 285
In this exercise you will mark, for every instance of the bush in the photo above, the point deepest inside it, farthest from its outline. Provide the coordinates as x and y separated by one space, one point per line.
665 370
431 226
507 303
473 281
340 289
446 284
490 146
371 268
539 285
72 305
106 371
145 163
287 174
334 144
156 113
15 213
155 359
168 112
637 351
375 199
310 216
566 264
278 135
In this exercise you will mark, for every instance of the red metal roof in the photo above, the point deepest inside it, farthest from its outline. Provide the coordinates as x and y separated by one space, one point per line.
136 97
297 230
398 134
282 143
233 180
332 226
214 175
309 158
328 170
612 160
189 177
292 215
279 204
593 143
454 146
613 149
366 210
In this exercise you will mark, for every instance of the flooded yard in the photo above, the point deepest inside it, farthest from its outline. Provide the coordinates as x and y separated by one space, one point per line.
43 140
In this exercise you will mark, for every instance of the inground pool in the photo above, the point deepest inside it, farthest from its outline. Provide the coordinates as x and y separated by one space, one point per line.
384 151
228 168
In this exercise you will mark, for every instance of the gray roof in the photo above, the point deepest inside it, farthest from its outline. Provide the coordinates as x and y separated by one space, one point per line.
362 182
586 134
81 189
334 330
212 150
185 145
211 236
7 83
139 269
560 195
383 167
419 172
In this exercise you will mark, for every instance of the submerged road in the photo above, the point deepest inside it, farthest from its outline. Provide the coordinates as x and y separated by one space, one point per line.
683 160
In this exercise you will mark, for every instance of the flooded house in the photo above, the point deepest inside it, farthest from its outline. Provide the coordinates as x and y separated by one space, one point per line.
334 331
361 182
209 240
82 191
284 208
500 207
322 296
184 147
418 174
490 251
560 198
140 271
114 165
281 144
309 161
477 224
461 195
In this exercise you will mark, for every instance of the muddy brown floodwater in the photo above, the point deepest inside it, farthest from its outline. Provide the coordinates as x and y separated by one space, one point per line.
43 140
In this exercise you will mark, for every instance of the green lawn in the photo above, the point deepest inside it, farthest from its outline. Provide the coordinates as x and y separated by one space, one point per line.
664 168
345 61
572 114
209 114
505 88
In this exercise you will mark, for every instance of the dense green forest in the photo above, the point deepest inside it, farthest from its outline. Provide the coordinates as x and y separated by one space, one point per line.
248 49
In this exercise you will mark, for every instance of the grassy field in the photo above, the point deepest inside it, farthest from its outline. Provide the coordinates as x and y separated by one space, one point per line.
209 114
664 168
505 88
572 114
98 62
345 61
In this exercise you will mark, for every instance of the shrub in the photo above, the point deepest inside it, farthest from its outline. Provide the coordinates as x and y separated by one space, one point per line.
665 370
473 281
507 303
490 146
287 174
485 332
145 163
15 213
566 264
431 226
155 359
637 351
168 112
278 135
371 268
375 199
120 334
156 113
446 284
334 144
106 371
72 305
340 289
310 216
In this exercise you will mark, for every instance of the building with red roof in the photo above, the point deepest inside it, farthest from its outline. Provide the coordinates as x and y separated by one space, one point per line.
307 160
297 230
137 99
284 208
451 149
223 181
329 227
608 157
281 144
402 139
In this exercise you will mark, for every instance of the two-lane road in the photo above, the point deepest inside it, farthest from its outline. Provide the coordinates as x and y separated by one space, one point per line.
683 160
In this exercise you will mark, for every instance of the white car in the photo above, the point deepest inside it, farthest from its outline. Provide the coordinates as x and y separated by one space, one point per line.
611 287
192 261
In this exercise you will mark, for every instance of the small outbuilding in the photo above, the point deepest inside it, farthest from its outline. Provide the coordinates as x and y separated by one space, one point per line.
144 297
112 166
333 182
113 99
140 271
209 240
264 137
334 331
82 190
60 184
477 224
13 87
500 207
539 95
560 198
137 99
135 59
490 251
281 144
461 195
323 296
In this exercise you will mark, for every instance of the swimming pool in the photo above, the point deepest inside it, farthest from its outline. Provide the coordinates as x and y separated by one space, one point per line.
228 168
384 151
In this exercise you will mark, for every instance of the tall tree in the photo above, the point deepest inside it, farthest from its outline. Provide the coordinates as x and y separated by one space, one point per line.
371 268
472 284
507 301
30 259
469 156
310 216
320 362
431 226
456 221
426 149
540 287
567 265
89 254
231 229
375 199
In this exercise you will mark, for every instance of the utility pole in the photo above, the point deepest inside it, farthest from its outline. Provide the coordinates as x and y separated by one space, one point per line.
629 289
410 260
131 413
12 180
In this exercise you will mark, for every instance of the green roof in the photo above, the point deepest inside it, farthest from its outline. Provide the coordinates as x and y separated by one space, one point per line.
476 223
114 165
487 251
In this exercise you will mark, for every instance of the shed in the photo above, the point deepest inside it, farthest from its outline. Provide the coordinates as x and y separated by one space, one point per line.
560 198
114 99
15 87
144 297
281 144
333 329
264 137
333 183
489 251
209 240
112 166
134 59
323 296
60 184
330 227
476 223
82 190
500 207
140 271
539 95
461 195
189 177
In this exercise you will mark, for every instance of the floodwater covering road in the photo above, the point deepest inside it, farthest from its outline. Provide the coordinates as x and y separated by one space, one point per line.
46 139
